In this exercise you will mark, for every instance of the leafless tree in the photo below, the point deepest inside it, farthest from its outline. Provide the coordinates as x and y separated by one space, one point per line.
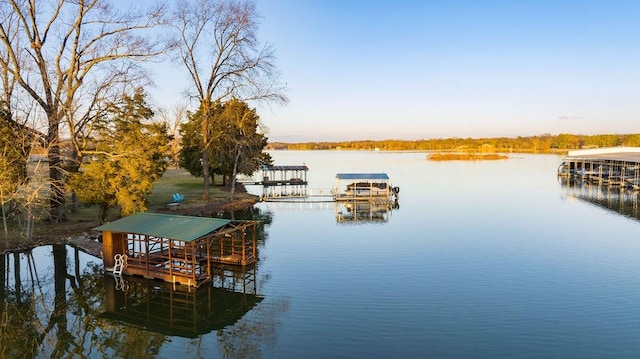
223 57
16 139
64 53
173 120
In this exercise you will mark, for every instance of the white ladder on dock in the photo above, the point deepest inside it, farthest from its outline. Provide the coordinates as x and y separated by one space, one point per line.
121 263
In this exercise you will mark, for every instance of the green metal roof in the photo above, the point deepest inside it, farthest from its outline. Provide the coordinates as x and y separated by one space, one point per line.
184 228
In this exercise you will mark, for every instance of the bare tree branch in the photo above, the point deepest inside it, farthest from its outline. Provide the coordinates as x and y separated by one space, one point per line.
220 51
69 56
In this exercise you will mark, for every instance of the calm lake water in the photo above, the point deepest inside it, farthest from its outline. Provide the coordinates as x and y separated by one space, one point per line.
479 260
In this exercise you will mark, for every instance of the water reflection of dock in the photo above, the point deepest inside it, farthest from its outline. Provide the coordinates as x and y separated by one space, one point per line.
300 205
363 212
181 310
359 212
621 200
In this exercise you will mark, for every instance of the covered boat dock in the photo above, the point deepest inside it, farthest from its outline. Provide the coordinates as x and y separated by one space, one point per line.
176 249
288 181
618 166
284 175
363 186
284 181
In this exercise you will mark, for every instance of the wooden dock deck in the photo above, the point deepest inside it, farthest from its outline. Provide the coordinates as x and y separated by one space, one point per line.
177 249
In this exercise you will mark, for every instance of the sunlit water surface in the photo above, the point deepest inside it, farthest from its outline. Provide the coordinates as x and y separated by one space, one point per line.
480 260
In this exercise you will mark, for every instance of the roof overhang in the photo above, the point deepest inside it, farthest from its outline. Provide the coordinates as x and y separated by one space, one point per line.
184 228
613 156
286 168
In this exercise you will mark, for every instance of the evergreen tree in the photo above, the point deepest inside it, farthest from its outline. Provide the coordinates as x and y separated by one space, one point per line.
236 146
130 155
239 144
191 131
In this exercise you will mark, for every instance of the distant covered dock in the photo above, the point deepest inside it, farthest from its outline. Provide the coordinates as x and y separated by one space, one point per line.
363 186
177 249
288 181
614 166
284 175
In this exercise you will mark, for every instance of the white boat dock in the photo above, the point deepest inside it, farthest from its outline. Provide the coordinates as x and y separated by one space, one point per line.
618 166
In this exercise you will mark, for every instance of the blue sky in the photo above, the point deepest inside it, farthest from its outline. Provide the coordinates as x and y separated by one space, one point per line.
359 69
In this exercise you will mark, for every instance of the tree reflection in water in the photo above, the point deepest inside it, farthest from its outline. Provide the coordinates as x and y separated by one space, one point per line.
48 311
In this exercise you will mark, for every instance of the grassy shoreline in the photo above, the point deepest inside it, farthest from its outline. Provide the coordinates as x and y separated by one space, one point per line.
80 223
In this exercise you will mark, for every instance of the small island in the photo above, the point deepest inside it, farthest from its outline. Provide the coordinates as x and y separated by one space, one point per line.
465 156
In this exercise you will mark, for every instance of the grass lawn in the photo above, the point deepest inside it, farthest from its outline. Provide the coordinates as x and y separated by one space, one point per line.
177 181
181 181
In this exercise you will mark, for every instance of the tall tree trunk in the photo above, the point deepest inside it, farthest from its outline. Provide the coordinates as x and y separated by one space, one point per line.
235 172
4 216
3 280
57 200
104 209
205 174
75 201
205 149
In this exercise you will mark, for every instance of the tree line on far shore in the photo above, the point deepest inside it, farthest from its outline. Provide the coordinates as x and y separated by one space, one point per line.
545 143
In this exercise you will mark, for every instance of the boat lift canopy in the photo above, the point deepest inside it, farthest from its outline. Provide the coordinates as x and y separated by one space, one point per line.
376 177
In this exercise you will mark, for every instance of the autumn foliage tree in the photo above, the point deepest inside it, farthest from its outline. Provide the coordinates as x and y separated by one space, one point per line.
130 154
